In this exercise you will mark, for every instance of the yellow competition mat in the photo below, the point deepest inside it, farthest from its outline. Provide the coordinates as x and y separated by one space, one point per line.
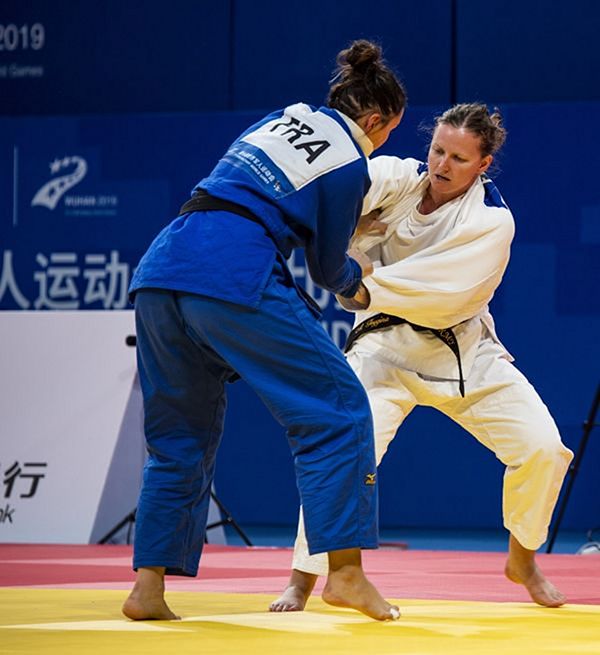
88 622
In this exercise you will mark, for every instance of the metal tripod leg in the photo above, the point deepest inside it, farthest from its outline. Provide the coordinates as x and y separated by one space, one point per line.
574 468
228 520
130 518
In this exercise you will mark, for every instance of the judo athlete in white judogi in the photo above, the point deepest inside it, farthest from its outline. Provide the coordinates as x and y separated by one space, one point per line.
443 241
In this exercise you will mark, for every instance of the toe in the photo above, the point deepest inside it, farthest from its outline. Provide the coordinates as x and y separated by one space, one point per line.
394 613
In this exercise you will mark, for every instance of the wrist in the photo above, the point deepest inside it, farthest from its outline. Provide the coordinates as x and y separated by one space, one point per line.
360 300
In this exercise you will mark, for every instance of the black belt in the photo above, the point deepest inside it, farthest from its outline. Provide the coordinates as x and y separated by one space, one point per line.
202 201
381 321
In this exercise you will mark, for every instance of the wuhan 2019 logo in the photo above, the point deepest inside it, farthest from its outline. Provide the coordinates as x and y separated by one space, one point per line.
66 277
70 171
49 195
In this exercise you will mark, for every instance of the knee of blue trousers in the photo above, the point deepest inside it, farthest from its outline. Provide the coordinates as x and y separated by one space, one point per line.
338 424
344 422
186 475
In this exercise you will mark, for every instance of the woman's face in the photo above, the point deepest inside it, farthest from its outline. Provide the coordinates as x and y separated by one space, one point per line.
455 161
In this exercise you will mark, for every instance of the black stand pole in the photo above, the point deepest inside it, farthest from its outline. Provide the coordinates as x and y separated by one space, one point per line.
129 519
574 468
228 520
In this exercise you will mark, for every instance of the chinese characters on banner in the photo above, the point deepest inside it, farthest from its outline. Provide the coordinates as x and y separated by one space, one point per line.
59 276
71 281
20 480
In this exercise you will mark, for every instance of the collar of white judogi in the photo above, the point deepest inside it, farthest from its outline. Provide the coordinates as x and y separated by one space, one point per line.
358 134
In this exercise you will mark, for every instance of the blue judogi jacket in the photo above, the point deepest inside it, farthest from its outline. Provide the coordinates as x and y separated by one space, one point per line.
304 176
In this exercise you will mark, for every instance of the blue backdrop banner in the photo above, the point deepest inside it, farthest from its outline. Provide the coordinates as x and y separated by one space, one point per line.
82 197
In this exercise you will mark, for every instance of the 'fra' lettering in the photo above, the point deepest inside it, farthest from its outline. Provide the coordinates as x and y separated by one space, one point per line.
297 130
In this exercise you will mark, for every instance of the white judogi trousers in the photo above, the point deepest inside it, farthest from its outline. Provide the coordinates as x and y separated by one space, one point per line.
500 409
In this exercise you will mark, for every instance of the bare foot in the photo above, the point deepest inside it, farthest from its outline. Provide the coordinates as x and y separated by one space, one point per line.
522 569
144 609
347 586
146 600
296 594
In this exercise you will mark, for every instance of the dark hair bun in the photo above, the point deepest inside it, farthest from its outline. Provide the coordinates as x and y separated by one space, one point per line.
363 83
361 56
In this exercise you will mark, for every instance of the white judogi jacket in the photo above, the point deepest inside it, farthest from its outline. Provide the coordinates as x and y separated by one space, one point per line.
437 270
440 270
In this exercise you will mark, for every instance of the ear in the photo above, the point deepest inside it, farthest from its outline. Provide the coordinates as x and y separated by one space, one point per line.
372 121
486 162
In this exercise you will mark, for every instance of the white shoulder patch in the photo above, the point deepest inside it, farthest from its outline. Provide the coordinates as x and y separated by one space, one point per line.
304 144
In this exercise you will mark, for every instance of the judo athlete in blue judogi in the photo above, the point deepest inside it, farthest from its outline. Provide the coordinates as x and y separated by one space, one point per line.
214 301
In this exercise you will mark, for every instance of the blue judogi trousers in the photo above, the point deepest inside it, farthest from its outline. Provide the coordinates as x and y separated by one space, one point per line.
189 346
